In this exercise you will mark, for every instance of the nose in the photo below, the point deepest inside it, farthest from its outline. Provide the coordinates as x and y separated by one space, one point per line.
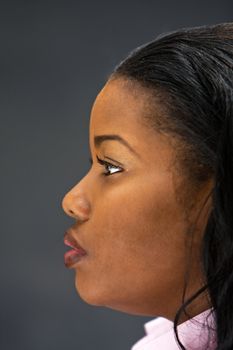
76 205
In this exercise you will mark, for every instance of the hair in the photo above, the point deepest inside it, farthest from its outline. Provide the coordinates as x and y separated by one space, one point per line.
190 72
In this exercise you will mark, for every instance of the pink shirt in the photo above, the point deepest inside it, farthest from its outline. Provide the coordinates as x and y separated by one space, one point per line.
160 334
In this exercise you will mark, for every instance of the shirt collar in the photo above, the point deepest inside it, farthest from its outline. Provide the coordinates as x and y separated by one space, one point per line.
161 325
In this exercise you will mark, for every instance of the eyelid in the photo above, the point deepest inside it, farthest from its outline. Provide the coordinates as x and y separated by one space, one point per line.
101 161
106 164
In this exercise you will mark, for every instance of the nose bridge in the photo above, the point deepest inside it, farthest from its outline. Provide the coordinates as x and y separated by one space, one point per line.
76 202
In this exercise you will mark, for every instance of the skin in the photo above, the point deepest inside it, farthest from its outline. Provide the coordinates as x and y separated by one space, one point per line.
131 223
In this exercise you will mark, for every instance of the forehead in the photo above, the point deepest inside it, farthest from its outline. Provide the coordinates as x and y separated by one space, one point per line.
119 108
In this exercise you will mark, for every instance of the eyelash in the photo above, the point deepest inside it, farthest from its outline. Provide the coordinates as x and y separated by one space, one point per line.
106 165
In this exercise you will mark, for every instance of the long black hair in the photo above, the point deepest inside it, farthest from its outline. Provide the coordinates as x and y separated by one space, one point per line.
191 71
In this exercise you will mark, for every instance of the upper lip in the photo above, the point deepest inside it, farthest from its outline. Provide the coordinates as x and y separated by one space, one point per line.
72 242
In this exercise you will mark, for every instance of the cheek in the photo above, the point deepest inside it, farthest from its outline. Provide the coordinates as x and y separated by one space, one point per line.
141 217
136 239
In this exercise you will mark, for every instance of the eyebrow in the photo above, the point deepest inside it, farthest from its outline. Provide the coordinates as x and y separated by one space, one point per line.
99 139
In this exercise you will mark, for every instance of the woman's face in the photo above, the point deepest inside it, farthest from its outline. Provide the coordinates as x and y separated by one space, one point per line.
130 222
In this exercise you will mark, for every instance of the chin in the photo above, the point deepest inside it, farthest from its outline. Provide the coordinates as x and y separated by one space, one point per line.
89 295
95 297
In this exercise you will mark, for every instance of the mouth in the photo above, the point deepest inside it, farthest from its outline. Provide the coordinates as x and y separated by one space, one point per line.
75 254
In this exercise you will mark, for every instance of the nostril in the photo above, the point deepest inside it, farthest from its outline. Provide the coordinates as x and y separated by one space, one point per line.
76 206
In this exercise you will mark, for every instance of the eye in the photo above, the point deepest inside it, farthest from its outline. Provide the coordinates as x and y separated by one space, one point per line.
110 168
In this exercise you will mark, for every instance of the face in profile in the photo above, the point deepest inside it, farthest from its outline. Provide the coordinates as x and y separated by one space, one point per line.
126 212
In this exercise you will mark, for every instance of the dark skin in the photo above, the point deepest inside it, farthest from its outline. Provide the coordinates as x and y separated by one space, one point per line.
130 222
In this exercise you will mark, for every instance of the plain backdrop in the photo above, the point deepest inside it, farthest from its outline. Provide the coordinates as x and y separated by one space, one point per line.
54 58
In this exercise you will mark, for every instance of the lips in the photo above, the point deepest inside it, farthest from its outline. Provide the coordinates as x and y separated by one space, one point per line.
76 253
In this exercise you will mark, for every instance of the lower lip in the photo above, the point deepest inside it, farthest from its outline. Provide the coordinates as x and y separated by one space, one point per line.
72 257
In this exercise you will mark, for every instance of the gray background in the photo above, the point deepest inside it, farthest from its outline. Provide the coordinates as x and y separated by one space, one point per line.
54 58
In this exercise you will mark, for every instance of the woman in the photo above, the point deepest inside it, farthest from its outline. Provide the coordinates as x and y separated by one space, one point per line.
154 226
